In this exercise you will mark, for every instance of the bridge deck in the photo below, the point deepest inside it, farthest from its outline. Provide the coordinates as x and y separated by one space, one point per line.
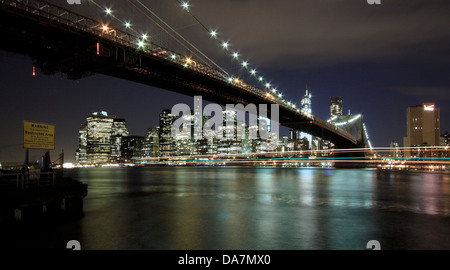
62 41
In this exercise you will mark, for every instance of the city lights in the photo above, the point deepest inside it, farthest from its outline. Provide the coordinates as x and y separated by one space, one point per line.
235 55
141 43
225 45
185 5
252 166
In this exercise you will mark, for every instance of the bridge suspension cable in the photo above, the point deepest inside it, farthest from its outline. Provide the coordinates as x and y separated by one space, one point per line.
367 136
270 91
149 14
178 34
235 55
64 18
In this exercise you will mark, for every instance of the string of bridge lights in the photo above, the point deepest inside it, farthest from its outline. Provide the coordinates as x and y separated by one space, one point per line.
143 40
225 44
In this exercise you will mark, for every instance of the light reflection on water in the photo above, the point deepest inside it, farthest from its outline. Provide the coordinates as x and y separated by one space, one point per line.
259 208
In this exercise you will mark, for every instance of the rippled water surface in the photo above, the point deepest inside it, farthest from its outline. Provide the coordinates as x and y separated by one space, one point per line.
255 208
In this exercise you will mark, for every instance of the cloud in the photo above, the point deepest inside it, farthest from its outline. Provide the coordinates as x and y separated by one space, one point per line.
304 33
296 33
432 93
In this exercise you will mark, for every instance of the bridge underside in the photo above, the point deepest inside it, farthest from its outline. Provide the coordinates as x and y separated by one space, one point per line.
55 47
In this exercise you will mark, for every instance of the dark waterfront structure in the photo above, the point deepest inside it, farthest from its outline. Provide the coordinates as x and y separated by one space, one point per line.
38 192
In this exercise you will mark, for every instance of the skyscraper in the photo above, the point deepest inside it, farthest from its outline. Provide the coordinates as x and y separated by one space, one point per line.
306 107
80 155
166 140
423 125
100 139
445 138
305 103
150 145
131 149
336 108
118 131
184 142
98 135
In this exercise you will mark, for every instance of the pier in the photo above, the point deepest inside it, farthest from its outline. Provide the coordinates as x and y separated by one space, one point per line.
25 197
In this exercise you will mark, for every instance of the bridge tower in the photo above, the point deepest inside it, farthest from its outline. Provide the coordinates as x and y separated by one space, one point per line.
353 124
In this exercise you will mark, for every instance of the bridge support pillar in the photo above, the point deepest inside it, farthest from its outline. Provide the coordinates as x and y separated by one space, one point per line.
351 159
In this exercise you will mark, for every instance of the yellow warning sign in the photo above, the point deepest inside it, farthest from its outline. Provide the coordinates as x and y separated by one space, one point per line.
38 136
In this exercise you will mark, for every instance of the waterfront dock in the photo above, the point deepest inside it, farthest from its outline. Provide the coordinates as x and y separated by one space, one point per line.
30 196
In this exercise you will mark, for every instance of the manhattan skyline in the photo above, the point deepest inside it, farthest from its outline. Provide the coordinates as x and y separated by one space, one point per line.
379 65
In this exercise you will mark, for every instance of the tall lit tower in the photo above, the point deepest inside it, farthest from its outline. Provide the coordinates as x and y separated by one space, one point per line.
336 108
305 104
118 131
166 140
423 125
98 137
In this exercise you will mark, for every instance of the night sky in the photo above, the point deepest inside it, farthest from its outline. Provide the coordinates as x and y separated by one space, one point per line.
379 58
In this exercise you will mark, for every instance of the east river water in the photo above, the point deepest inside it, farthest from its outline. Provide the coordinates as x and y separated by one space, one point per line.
251 208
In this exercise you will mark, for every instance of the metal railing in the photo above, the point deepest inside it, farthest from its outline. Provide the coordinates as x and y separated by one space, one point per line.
24 181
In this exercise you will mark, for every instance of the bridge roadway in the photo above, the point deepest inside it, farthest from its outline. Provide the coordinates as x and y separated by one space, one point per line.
59 40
